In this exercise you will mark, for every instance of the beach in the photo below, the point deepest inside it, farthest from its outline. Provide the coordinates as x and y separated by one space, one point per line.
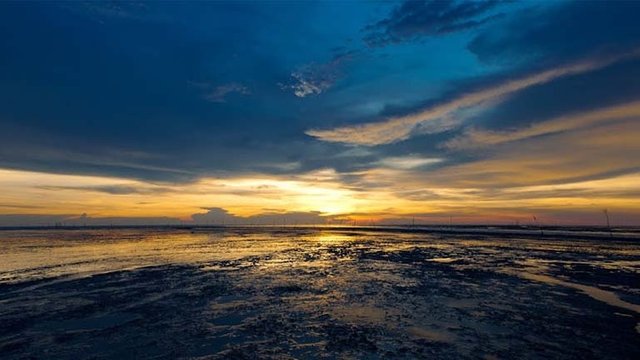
301 293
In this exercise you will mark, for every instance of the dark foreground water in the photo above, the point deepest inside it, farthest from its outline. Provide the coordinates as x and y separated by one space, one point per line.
315 293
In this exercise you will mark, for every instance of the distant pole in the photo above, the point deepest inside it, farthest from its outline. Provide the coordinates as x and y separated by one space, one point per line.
606 215
535 219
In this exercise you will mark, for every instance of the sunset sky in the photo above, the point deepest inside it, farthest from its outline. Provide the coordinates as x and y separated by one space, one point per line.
273 112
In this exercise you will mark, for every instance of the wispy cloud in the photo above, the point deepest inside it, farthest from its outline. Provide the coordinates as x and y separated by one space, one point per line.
450 114
475 138
103 10
114 189
219 93
407 162
585 153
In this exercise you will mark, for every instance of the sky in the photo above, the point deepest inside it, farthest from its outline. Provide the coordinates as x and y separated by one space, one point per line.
305 112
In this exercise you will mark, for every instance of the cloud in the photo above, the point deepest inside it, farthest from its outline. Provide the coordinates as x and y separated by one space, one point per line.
19 206
307 82
314 79
475 138
407 162
114 189
560 31
446 116
40 156
593 152
415 19
220 216
220 93
215 215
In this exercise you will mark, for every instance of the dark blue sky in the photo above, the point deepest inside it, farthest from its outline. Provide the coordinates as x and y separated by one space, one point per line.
173 92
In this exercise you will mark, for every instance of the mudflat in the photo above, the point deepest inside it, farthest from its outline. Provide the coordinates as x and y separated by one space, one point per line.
315 293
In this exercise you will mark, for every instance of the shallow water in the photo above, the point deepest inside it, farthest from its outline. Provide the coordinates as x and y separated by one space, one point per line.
315 293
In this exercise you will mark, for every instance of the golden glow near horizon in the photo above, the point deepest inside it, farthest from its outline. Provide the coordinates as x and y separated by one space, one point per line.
36 193
397 193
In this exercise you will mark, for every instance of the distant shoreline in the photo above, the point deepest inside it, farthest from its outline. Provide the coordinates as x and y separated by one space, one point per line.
574 232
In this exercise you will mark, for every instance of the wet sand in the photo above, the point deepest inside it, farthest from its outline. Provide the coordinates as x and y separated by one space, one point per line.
316 293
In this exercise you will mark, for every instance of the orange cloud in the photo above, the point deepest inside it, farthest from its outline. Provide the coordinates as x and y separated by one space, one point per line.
474 138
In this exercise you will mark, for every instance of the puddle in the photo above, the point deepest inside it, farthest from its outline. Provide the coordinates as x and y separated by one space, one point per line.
443 260
432 335
604 296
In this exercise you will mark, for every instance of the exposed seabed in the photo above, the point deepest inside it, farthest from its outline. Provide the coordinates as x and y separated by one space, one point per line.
316 293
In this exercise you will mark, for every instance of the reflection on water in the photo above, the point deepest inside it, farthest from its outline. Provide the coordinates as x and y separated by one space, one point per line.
598 294
313 293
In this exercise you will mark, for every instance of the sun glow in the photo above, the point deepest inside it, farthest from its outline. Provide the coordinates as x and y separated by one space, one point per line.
32 192
382 194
